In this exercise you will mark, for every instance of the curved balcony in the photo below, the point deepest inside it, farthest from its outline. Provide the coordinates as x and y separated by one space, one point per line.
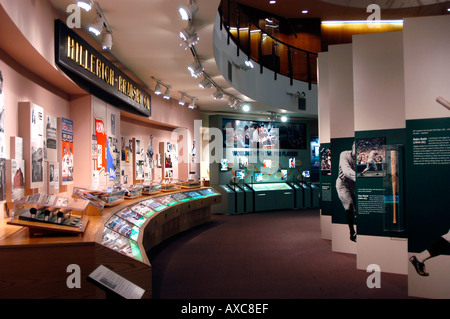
266 49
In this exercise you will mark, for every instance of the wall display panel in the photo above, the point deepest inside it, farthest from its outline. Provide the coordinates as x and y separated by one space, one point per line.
427 162
263 134
378 199
31 129
53 177
66 150
2 118
325 178
15 172
51 138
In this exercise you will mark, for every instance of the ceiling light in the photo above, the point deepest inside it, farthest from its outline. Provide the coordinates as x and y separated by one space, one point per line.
97 27
158 88
272 2
249 64
205 84
361 21
196 69
192 104
304 11
182 100
107 41
246 107
284 119
187 12
85 5
167 94
189 36
218 95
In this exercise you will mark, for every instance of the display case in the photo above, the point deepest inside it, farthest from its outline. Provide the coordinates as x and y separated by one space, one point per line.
170 185
151 188
50 213
273 196
124 229
191 184
393 189
133 191
111 196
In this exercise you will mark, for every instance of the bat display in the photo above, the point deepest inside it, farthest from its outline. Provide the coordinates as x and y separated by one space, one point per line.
394 185
443 102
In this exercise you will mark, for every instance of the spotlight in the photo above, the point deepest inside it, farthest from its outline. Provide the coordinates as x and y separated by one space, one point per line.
205 84
167 94
249 64
189 36
107 41
158 89
192 104
182 100
218 95
187 12
196 69
97 27
85 5
284 119
246 108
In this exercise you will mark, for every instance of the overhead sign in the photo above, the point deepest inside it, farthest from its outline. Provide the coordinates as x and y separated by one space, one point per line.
74 55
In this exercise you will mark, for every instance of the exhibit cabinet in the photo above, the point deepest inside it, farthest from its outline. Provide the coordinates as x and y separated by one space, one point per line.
116 242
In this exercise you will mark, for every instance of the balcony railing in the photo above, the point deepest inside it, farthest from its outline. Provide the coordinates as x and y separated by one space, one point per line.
264 48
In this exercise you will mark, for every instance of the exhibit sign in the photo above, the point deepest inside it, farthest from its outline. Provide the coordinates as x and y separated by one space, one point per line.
82 62
67 150
325 179
37 143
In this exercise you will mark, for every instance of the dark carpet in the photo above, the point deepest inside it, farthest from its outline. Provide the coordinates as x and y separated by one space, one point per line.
269 255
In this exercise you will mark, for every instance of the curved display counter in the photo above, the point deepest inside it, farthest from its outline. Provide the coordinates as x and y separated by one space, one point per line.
58 266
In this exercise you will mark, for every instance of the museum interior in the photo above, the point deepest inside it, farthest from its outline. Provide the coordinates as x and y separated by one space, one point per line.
224 149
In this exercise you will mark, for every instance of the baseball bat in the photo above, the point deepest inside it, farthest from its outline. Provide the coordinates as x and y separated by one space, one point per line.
394 185
443 102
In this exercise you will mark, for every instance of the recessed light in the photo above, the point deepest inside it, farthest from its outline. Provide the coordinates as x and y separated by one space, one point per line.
304 11
272 2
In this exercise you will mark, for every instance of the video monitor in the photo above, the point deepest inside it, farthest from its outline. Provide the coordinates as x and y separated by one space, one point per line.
267 163
283 174
292 163
240 174
224 165
306 174
258 177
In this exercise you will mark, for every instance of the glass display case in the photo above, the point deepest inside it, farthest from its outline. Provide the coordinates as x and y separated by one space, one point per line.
151 188
122 230
132 191
100 198
270 186
50 212
170 185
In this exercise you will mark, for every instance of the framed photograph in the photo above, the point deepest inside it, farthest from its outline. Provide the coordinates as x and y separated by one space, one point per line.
325 161
224 164
371 156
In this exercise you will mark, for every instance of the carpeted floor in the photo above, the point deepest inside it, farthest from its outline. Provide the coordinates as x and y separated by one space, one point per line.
270 255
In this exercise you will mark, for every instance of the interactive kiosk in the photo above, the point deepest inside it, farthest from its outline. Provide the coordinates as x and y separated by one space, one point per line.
298 190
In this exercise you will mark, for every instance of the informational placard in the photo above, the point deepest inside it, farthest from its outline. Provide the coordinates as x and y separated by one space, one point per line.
37 143
51 146
17 179
115 283
67 150
2 118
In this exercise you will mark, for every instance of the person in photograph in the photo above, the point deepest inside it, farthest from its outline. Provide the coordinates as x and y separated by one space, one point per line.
439 247
345 187
371 163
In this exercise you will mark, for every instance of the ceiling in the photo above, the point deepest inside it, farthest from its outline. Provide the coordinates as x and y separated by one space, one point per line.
147 42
